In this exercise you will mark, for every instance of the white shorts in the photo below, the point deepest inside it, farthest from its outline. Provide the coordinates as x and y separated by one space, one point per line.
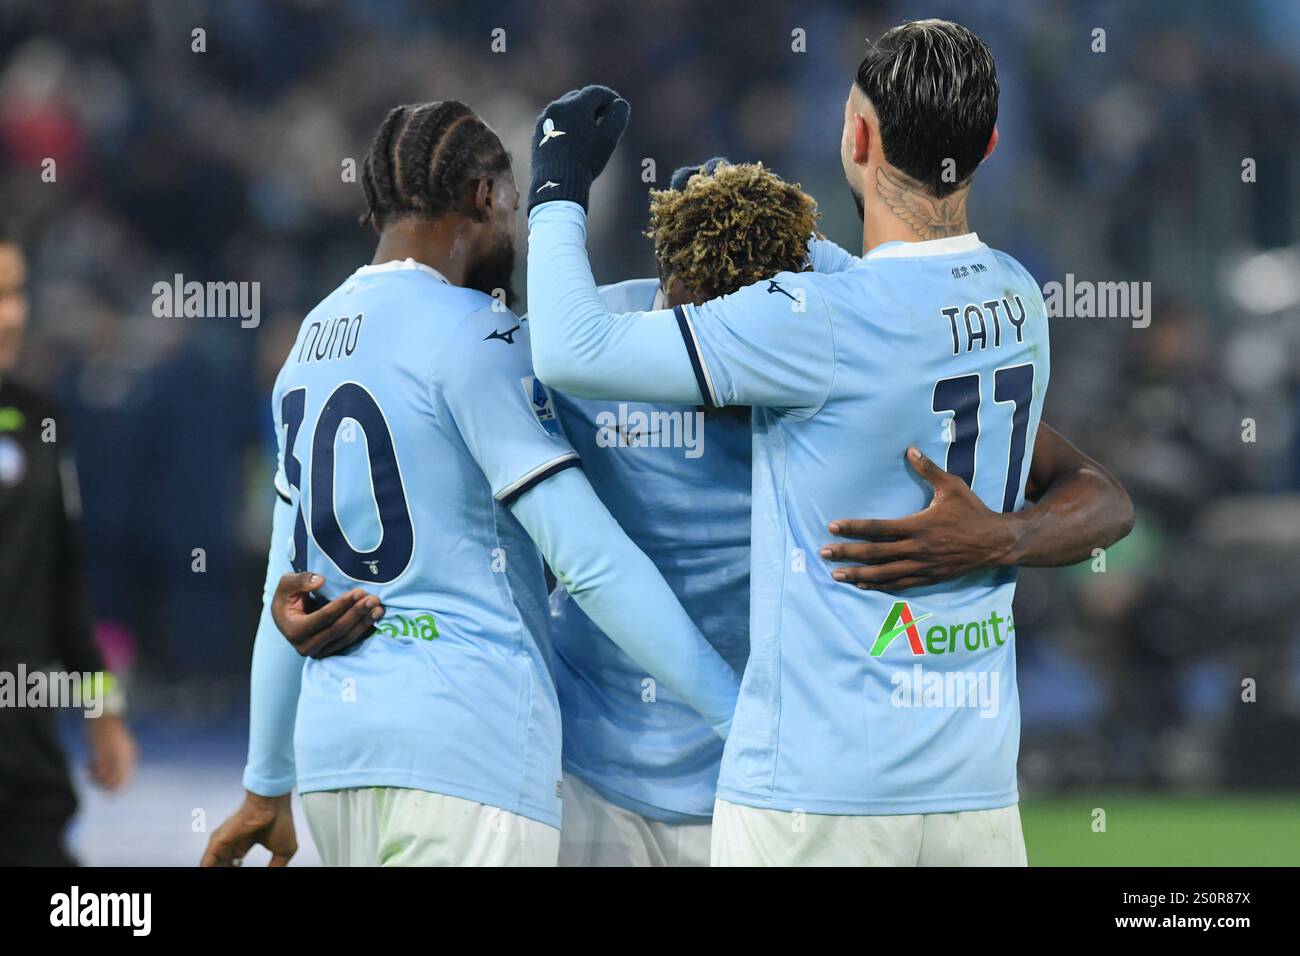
749 836
598 833
390 826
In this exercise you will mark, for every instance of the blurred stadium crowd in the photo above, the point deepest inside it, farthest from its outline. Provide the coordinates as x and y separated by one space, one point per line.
1123 165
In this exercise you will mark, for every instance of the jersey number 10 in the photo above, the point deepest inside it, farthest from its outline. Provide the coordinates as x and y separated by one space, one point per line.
397 537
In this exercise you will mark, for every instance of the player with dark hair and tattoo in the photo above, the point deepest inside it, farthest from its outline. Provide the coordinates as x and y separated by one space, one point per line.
421 456
880 718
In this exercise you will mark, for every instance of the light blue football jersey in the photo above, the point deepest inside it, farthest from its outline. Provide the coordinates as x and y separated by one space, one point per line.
409 418
852 701
863 702
678 481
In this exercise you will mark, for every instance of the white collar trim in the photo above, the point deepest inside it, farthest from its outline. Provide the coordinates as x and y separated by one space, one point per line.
968 242
394 265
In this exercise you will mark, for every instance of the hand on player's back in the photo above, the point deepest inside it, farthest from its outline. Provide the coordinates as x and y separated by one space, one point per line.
317 630
955 535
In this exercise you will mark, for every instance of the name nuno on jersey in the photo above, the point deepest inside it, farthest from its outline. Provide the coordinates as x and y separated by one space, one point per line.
330 339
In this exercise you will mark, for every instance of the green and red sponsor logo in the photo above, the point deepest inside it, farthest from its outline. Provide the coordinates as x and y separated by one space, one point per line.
992 631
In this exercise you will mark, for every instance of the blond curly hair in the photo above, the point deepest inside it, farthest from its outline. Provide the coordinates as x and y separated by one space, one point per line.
727 230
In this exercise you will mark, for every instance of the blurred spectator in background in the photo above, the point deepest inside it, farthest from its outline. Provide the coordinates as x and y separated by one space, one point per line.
45 623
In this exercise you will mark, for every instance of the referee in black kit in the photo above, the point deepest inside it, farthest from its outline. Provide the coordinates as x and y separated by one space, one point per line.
45 623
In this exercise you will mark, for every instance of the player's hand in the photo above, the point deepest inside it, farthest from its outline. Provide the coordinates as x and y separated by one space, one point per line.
113 751
955 535
319 631
267 821
572 141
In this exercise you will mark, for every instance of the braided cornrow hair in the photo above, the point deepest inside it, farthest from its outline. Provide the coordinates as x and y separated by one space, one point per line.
422 158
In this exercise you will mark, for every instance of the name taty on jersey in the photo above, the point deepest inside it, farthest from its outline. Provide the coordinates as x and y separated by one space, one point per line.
974 312
330 339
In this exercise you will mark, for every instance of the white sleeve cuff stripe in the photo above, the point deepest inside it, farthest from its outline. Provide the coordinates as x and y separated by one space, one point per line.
535 477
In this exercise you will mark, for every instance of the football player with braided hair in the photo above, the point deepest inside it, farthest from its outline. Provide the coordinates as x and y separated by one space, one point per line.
437 741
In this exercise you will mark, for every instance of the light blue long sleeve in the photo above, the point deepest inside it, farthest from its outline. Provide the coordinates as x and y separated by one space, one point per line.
275 679
579 347
827 256
623 593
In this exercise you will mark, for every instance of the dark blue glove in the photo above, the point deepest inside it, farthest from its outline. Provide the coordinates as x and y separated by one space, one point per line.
572 141
682 175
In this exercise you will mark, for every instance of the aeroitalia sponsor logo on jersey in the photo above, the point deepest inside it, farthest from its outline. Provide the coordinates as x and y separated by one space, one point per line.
977 635
899 621
943 688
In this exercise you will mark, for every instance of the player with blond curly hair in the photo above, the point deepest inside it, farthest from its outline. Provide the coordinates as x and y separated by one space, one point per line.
639 768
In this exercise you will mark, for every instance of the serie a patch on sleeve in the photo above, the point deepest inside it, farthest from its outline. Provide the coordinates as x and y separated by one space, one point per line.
539 397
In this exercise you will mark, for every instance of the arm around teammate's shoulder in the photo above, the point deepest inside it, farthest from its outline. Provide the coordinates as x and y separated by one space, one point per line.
770 344
580 347
826 256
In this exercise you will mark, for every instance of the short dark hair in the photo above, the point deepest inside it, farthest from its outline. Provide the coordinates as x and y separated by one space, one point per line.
422 158
934 87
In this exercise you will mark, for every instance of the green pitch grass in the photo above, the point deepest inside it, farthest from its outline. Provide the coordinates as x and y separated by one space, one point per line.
1163 830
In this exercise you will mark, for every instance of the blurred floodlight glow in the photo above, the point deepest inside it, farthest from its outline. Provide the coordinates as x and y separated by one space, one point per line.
1266 282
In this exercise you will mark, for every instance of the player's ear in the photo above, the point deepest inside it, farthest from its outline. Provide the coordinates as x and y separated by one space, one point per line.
484 199
861 138
993 143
